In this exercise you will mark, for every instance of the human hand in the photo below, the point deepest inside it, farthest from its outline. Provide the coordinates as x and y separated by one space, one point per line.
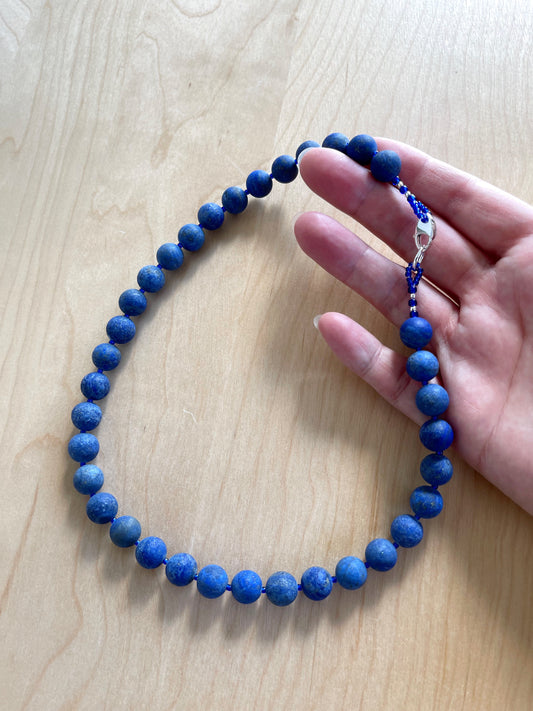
481 262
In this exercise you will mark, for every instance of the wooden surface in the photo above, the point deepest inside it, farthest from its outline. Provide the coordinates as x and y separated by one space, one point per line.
231 430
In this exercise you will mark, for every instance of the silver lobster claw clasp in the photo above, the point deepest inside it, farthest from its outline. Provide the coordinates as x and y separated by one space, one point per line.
424 236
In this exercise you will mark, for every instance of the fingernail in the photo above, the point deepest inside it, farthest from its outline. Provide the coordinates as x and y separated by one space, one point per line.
316 320
306 150
298 214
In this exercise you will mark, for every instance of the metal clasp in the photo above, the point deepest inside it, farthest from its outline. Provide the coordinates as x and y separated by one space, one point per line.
424 236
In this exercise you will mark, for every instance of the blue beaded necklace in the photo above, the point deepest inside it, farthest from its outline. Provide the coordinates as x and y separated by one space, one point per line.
432 400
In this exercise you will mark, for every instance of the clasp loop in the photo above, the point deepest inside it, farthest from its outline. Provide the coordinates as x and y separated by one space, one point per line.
424 236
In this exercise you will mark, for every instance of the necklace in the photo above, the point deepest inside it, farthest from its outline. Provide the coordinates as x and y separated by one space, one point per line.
436 434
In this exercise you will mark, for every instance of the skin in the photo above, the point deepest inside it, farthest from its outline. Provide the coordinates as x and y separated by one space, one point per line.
481 313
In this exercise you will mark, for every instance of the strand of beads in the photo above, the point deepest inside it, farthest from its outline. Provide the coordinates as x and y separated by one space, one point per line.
181 569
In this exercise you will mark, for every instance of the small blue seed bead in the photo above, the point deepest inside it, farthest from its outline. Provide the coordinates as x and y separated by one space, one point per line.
181 569
351 572
338 141
246 587
422 365
304 146
436 435
234 200
125 531
170 256
212 581
381 554
151 552
284 169
150 278
120 329
416 332
83 447
432 399
281 589
133 302
106 356
259 183
385 166
426 502
361 148
406 531
211 216
88 479
191 237
316 583
86 416
102 507
95 386
436 469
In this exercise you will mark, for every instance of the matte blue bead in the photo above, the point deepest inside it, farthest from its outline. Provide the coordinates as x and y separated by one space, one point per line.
436 469
88 479
95 386
120 329
151 278
125 531
86 416
191 237
426 502
381 554
422 365
316 583
211 216
281 589
246 587
351 572
181 569
432 399
212 581
361 148
436 435
133 302
284 169
234 200
170 256
106 356
385 166
416 332
150 552
406 531
338 141
83 447
304 146
259 183
102 507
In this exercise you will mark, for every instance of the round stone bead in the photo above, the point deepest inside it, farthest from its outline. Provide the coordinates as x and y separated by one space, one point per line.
212 581
422 365
83 447
211 216
102 507
338 141
235 200
385 166
351 572
95 386
316 583
436 435
436 469
259 183
304 146
120 329
432 399
86 416
170 256
125 531
416 332
88 479
150 552
381 554
426 502
362 148
284 169
181 569
191 237
406 531
246 587
151 278
106 356
281 589
133 302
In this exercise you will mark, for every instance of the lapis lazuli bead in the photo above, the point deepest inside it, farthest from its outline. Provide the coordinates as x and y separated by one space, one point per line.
259 183
191 237
88 479
133 302
234 200
436 435
338 141
361 148
426 502
106 356
120 329
304 146
422 365
316 583
432 399
181 569
381 554
406 531
212 581
284 169
125 531
102 507
246 587
281 589
83 447
151 552
150 278
211 216
385 166
95 386
416 332
86 416
170 256
436 469
351 572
